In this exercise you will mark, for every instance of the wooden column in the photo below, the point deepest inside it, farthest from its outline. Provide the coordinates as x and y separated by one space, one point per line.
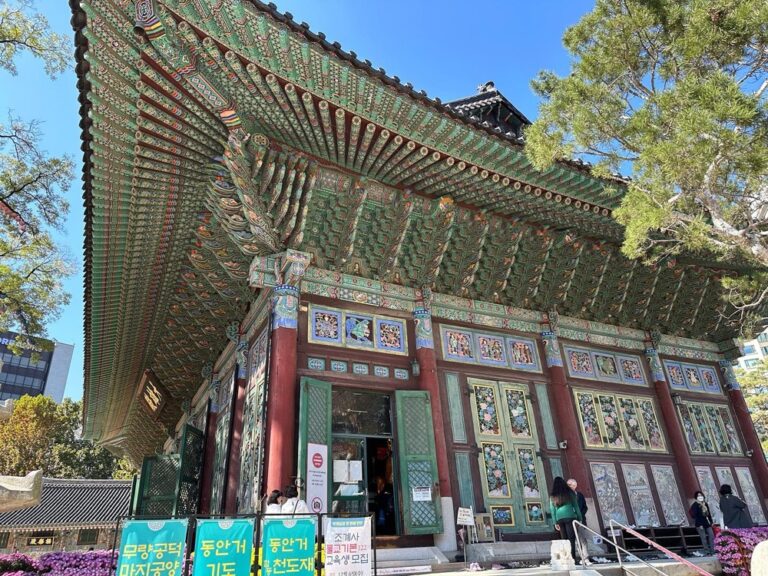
282 407
677 443
209 449
425 355
744 419
236 440
565 412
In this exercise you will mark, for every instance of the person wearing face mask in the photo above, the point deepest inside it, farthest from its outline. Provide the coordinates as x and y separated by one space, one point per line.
702 519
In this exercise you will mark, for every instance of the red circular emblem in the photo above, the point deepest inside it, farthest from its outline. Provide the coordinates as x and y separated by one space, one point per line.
317 460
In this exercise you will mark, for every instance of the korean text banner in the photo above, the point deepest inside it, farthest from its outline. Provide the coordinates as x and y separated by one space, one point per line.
288 547
348 546
152 547
223 547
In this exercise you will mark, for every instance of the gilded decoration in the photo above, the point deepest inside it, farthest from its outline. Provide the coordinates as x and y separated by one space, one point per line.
619 422
496 479
502 412
357 330
520 426
692 377
487 414
605 366
502 516
475 347
590 427
608 492
526 459
534 513
640 495
669 495
751 497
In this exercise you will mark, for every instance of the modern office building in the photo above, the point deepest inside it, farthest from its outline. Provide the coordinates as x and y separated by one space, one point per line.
754 351
41 368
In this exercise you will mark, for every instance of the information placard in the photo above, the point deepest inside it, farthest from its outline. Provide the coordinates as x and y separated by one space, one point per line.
317 478
288 546
223 547
152 547
348 546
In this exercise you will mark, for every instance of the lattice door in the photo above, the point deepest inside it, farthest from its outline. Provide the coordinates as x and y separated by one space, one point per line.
418 465
314 421
190 469
157 491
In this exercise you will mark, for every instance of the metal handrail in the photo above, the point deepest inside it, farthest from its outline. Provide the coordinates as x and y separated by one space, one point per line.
577 524
658 547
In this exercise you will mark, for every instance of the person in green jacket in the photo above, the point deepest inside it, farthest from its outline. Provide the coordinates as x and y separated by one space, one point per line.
564 508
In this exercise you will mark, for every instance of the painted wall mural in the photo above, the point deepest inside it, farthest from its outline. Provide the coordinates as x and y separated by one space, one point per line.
486 414
608 492
669 495
725 476
750 494
496 477
707 484
251 451
520 424
356 330
693 377
604 366
709 428
619 422
640 495
474 347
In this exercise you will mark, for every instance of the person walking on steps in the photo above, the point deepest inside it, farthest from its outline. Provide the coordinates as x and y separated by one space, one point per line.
702 519
564 506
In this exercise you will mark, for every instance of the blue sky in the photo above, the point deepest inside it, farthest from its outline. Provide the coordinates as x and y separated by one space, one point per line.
446 48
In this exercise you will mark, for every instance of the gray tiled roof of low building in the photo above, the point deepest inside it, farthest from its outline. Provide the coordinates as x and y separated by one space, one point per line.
73 504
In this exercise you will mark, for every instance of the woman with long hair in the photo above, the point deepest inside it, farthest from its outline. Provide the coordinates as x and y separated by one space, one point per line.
564 508
274 502
702 519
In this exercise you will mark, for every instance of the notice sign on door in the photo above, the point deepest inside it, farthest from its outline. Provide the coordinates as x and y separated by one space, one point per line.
317 478
422 493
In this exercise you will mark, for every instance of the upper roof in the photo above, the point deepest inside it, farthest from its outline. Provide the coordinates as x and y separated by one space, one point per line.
73 504
489 106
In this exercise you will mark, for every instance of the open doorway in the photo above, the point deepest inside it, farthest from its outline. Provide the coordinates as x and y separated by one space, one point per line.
381 485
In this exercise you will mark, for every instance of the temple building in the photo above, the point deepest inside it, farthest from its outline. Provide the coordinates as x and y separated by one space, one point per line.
300 270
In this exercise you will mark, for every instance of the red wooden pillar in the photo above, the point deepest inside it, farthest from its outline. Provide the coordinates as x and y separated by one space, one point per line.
677 443
209 453
565 413
425 355
240 391
744 419
282 392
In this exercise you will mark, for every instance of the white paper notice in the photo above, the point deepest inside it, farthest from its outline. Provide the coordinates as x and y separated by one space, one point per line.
341 471
422 493
355 471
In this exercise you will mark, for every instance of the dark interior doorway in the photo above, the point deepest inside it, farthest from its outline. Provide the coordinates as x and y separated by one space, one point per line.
381 486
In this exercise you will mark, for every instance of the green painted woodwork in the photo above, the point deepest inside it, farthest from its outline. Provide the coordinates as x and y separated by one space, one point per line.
556 466
464 476
545 410
314 421
418 464
453 392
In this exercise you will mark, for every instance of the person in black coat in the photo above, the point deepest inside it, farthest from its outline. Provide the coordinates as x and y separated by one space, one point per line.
572 484
735 513
702 519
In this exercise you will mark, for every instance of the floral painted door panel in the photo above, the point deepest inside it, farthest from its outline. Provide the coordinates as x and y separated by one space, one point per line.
615 422
513 483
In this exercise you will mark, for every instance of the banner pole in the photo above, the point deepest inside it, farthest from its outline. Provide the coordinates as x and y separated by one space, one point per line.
112 564
373 544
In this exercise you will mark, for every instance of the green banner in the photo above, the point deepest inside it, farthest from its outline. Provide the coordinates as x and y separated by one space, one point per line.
288 546
223 547
152 548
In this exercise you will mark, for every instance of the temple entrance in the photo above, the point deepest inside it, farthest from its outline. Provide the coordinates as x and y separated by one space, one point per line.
363 481
380 457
